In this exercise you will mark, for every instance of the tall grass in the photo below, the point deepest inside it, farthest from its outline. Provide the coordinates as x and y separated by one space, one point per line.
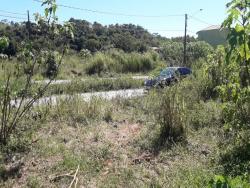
168 112
120 62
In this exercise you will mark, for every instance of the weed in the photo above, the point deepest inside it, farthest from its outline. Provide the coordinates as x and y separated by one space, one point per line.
33 182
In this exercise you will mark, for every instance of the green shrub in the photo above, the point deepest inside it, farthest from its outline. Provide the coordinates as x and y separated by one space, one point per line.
205 114
98 64
234 91
172 52
120 62
227 182
197 50
85 53
235 153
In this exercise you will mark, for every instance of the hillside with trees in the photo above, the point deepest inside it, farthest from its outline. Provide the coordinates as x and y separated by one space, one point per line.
93 37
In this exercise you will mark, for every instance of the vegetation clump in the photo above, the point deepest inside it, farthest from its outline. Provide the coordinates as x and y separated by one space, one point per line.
120 62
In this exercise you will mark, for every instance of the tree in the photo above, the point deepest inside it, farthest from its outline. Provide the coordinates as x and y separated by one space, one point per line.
4 43
238 23
18 93
235 89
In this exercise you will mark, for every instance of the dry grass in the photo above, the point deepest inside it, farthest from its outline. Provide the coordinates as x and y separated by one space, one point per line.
114 151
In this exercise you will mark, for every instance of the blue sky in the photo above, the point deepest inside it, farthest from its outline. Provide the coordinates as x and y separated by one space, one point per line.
213 13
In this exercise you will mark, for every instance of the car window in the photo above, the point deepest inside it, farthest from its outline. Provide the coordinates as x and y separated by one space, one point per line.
167 72
184 71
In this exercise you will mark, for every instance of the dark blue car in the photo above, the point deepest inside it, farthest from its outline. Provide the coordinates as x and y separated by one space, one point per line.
167 77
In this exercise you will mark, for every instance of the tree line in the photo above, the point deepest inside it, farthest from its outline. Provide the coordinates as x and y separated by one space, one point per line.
91 36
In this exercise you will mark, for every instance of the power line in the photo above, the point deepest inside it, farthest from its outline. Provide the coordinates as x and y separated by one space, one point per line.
115 13
15 13
123 29
199 20
170 30
13 17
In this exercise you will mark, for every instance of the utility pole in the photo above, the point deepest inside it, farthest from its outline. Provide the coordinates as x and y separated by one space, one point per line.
28 24
185 42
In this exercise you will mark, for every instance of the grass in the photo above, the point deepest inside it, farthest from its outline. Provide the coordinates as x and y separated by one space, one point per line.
120 62
95 84
168 138
108 64
76 67
111 142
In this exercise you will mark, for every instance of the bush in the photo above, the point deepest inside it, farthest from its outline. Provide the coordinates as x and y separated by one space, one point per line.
172 52
51 66
234 91
227 182
235 154
98 64
197 50
204 114
120 62
85 53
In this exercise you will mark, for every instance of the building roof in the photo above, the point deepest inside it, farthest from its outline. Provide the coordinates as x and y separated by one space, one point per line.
212 27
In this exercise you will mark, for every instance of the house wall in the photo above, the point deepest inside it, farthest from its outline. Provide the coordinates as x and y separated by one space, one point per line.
213 37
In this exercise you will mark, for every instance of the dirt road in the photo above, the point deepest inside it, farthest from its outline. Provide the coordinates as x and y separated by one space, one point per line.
52 100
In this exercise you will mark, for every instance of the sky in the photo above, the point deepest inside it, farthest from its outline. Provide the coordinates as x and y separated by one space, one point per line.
167 15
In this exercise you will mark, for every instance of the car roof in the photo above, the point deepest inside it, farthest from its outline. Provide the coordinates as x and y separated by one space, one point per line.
177 67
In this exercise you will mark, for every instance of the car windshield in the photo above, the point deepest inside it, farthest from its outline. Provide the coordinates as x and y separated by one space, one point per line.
167 72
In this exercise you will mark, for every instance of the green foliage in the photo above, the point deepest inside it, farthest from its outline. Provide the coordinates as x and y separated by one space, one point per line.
93 37
226 182
204 114
239 42
72 111
51 66
169 112
4 43
234 90
50 10
98 64
17 92
172 52
197 50
171 116
85 53
120 62
216 66
235 156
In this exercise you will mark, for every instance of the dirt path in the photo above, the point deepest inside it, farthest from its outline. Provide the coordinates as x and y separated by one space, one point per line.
52 100
55 82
